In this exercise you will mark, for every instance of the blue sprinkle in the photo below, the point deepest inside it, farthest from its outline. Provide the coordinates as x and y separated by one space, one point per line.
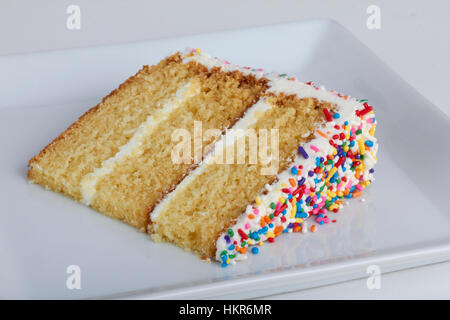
346 123
352 143
369 143
310 173
231 247
227 238
303 152
224 264
294 170
255 250
372 170
271 225
336 115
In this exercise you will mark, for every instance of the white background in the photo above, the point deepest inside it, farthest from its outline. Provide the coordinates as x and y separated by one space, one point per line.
413 40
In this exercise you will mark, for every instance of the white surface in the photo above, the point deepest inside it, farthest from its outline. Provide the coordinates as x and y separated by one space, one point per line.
46 228
405 284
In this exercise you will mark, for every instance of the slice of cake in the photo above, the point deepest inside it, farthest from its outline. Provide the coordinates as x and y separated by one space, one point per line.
214 157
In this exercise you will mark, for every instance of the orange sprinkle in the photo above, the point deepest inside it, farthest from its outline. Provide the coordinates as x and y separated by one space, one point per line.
262 223
251 216
356 194
292 182
357 174
297 229
313 228
339 202
346 191
243 250
322 134
278 230
267 218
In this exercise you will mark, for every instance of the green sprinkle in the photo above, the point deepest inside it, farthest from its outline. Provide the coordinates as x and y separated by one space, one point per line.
243 243
272 205
283 75
359 131
224 252
230 232
271 216
232 256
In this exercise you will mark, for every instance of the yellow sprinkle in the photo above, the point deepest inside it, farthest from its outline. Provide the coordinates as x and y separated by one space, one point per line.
261 243
340 193
362 149
345 148
374 156
270 235
228 260
258 201
298 220
283 185
372 130
198 50
250 241
332 172
333 206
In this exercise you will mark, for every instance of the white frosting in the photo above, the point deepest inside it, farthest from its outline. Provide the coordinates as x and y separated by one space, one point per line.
133 146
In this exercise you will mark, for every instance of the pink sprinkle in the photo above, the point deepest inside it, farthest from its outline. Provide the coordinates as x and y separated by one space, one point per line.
260 69
314 148
278 205
255 211
349 185
358 186
247 225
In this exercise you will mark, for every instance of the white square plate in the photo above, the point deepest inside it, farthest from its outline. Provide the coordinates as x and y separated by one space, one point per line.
404 222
